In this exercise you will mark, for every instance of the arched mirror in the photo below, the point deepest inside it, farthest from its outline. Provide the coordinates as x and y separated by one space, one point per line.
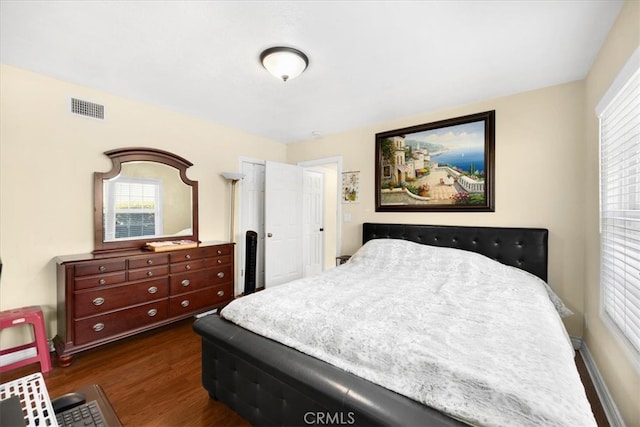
145 197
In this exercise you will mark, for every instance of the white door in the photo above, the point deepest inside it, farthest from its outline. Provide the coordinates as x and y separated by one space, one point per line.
331 169
283 223
313 223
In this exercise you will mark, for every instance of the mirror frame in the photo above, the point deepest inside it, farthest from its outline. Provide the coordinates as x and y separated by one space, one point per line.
124 155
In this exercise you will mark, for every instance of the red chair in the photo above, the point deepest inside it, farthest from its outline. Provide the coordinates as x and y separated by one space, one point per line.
27 315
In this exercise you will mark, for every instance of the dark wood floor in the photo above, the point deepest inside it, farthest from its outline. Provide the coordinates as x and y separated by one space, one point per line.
154 380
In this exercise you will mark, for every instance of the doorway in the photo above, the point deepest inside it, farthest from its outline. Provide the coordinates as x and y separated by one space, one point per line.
252 217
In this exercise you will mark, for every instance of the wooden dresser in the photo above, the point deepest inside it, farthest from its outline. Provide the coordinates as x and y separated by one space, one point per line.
103 298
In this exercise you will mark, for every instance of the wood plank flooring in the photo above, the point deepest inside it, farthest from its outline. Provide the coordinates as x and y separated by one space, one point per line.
154 379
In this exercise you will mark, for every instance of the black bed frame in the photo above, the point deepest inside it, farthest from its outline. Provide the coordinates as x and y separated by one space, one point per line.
268 383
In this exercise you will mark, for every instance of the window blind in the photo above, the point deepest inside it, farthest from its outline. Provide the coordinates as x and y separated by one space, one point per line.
620 207
136 208
136 196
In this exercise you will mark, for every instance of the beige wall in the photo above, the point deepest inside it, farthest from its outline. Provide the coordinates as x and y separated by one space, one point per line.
614 361
47 160
539 160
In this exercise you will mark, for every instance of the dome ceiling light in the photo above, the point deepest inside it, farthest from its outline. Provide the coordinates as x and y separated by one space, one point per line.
285 63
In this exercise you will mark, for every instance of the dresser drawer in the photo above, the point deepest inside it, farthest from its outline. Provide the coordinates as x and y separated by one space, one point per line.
220 260
189 282
220 275
187 266
148 261
147 273
106 325
100 280
105 266
188 255
218 250
197 300
101 300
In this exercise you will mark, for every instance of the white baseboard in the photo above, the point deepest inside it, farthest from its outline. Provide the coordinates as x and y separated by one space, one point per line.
609 406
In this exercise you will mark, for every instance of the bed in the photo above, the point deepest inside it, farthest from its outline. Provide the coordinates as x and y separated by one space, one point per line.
467 359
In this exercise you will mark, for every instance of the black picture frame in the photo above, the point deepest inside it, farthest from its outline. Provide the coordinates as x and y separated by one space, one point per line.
443 166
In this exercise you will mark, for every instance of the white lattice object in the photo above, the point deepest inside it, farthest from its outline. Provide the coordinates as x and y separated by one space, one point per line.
36 404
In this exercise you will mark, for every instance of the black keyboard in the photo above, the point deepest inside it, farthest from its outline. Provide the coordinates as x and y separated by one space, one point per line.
85 415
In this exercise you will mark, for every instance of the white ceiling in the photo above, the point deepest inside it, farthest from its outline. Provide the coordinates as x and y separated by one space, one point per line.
370 61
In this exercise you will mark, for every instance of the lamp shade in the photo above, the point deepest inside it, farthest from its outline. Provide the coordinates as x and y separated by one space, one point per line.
285 63
232 176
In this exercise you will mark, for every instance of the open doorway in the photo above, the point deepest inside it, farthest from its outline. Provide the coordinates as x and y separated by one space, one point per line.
251 213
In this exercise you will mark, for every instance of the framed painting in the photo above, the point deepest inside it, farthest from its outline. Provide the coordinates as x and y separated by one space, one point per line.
444 166
351 187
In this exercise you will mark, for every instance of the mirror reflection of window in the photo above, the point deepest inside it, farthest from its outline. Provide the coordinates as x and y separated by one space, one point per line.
133 208
153 200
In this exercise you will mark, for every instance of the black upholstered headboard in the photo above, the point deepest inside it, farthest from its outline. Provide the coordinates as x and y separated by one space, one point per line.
524 248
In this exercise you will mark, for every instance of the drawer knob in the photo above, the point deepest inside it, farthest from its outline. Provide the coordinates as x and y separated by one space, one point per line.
219 252
152 290
150 261
185 303
187 267
102 281
185 282
188 256
149 273
98 327
98 301
152 312
102 268
220 293
219 261
220 275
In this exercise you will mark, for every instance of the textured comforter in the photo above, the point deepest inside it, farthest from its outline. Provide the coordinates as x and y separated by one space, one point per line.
478 340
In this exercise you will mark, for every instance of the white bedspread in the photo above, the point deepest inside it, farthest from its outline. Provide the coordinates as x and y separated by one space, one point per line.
478 340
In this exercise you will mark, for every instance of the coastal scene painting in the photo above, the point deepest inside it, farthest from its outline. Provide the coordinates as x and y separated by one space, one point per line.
440 166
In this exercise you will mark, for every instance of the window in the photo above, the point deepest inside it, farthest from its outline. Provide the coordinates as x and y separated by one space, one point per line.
137 208
619 114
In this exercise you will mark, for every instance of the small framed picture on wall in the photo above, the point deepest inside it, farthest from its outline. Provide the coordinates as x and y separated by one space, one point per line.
351 187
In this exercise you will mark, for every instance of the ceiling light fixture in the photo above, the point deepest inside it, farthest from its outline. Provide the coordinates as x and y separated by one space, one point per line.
285 63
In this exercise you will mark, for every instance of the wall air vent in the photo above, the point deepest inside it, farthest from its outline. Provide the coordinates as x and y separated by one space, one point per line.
87 109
